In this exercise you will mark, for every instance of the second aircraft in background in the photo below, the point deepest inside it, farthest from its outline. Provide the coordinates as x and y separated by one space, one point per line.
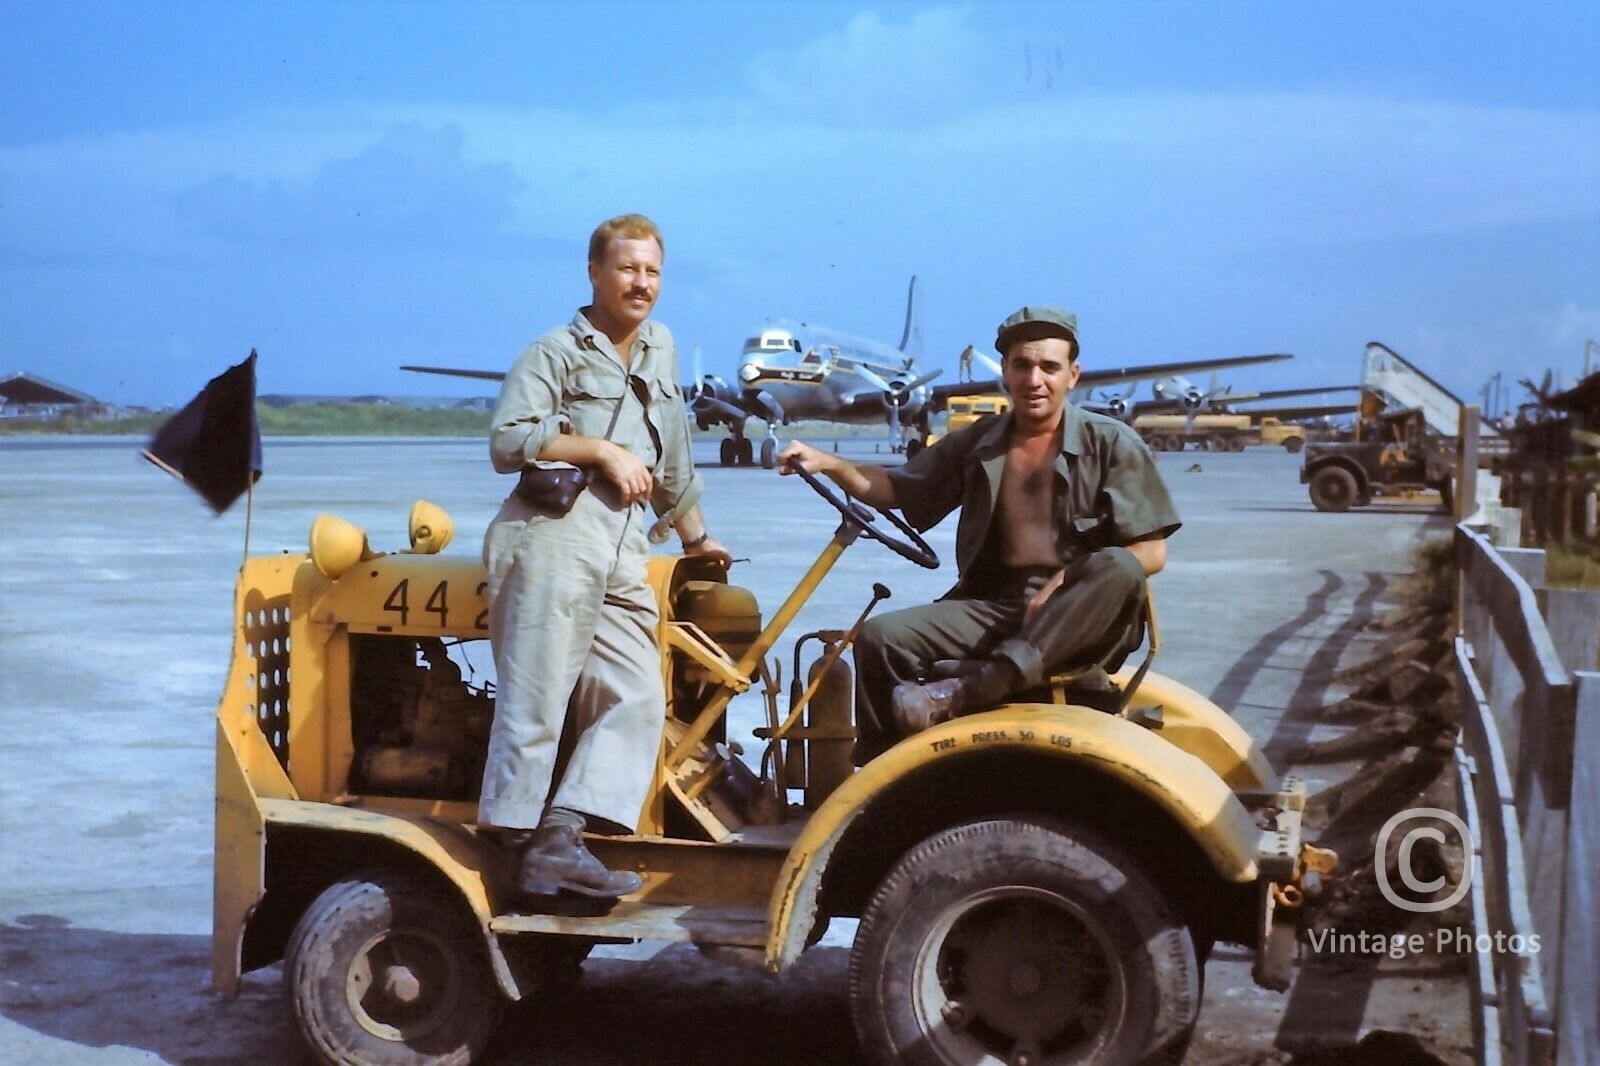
791 371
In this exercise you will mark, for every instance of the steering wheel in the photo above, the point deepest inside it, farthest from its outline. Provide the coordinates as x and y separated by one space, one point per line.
911 546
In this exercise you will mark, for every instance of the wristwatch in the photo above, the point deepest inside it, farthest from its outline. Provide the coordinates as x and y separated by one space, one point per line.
705 535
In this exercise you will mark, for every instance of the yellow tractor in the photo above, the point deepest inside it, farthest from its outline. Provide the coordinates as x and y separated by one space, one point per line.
1038 883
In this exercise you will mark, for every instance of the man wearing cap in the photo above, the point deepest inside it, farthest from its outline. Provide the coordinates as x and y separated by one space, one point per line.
1063 515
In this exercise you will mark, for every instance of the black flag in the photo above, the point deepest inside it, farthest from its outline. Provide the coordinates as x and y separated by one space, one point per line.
214 444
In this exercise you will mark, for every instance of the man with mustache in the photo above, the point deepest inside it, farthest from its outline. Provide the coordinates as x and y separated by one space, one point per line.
1063 515
572 618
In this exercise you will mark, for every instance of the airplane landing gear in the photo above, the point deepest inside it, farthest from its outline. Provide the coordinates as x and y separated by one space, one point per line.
739 451
769 453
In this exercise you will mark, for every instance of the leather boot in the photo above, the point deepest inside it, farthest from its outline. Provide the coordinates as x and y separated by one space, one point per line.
556 861
916 707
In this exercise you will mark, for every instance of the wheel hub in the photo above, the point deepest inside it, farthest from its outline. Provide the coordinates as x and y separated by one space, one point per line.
403 984
1020 975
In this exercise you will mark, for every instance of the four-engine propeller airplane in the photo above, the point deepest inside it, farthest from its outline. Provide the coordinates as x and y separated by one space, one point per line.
792 371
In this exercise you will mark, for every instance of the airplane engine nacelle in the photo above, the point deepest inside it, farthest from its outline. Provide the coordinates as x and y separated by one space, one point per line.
1194 399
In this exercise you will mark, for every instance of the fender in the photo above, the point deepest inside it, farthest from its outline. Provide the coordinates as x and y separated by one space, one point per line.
1204 730
1183 785
473 866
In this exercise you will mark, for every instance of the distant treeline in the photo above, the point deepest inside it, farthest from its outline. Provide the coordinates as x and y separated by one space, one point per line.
372 420
300 420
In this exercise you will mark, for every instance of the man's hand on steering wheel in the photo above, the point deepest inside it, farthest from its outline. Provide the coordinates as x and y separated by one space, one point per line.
798 456
802 459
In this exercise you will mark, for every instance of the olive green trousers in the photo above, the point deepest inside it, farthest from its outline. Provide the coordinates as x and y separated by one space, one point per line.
1092 616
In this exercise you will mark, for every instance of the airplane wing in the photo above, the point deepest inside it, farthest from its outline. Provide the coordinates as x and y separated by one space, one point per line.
1098 378
1295 414
1228 401
1094 378
457 372
939 395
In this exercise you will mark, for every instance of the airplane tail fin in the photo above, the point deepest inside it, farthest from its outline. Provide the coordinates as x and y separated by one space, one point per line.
911 337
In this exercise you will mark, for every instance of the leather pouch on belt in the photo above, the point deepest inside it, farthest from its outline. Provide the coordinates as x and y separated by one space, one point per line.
551 489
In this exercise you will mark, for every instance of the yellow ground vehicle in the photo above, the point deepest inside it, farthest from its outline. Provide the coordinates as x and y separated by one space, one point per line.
1038 883
965 410
1217 432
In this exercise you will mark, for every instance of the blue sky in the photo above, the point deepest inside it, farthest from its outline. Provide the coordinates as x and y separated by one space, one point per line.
351 186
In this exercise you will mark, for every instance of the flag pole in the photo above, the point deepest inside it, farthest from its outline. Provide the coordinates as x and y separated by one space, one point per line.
249 513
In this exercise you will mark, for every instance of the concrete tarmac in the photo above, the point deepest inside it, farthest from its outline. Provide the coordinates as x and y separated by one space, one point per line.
115 601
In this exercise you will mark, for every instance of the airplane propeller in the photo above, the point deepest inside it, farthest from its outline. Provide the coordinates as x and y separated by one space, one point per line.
708 397
1114 403
895 394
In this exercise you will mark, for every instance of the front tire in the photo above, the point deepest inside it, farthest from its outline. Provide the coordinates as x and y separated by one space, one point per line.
769 454
728 452
1333 488
1008 941
385 970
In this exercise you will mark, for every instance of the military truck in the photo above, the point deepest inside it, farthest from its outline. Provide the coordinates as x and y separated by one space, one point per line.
1397 454
1036 883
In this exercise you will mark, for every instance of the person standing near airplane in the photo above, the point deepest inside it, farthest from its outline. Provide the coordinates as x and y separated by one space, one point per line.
1063 516
572 618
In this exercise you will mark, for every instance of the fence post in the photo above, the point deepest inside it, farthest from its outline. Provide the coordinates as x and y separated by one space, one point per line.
1466 486
1578 1003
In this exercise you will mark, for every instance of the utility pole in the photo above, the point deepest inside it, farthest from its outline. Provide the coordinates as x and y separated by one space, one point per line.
1588 353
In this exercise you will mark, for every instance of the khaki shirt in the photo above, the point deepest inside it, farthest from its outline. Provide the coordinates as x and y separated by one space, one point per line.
1108 492
570 381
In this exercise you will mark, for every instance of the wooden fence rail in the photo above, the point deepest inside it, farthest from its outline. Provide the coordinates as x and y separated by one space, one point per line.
1530 707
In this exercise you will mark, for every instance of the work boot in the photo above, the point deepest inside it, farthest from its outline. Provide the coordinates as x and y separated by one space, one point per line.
917 707
556 861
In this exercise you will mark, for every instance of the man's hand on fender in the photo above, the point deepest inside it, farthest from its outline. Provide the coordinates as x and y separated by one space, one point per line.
711 549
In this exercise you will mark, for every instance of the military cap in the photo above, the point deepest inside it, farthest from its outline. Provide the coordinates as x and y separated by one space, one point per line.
1031 323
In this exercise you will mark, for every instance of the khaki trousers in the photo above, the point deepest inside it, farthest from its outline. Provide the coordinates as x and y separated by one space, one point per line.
579 705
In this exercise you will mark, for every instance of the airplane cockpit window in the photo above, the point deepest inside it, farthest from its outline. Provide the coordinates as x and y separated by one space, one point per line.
794 344
752 343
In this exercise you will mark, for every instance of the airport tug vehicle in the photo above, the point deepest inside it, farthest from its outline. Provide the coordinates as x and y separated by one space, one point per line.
1035 884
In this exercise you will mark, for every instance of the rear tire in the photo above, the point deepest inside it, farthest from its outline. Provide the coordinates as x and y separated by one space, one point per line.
1333 488
1174 443
1292 445
1236 443
1447 496
385 970
1003 939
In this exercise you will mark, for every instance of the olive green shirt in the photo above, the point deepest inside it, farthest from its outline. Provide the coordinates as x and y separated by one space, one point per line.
1108 492
570 381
